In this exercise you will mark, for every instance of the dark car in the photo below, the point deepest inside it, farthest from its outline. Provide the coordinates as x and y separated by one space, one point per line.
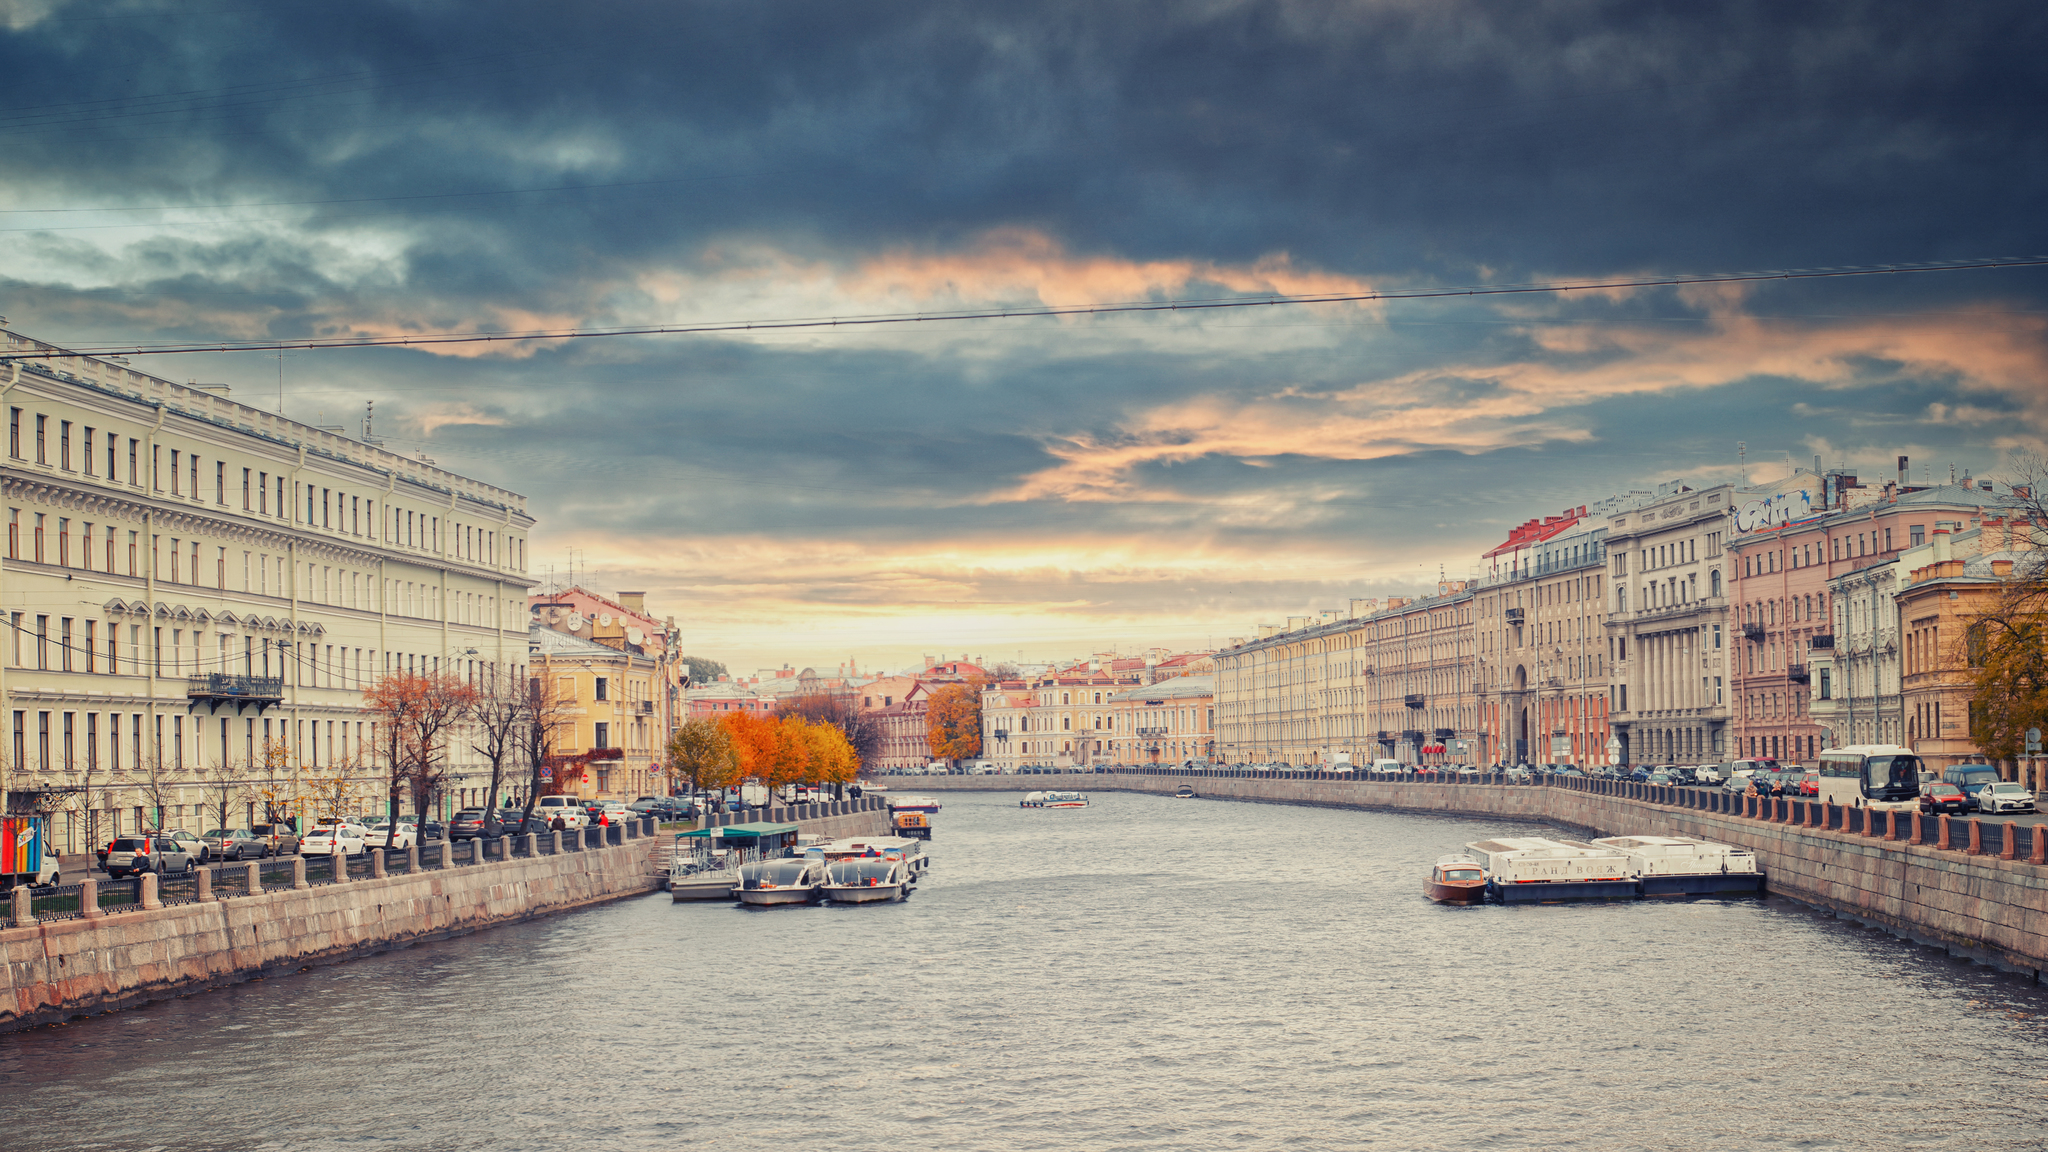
471 823
536 823
1639 774
432 830
1940 797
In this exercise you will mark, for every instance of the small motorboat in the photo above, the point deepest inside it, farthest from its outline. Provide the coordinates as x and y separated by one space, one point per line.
785 881
1184 792
866 880
1032 800
1456 880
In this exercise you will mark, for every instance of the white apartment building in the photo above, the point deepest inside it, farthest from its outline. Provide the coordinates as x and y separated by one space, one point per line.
187 577
1668 632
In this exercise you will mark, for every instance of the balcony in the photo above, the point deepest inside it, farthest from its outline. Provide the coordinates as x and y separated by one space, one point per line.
1414 700
1001 733
1152 733
644 707
605 754
1754 633
1824 643
1443 734
1797 673
218 688
1514 616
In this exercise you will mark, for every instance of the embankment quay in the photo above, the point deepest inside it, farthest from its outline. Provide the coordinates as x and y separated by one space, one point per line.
81 949
1977 888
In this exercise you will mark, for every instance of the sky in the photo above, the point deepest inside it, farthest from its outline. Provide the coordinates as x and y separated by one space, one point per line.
1033 488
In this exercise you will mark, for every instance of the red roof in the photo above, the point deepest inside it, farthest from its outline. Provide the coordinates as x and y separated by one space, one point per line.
1537 531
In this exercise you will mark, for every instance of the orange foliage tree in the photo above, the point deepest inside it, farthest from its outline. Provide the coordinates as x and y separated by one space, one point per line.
415 713
953 722
753 744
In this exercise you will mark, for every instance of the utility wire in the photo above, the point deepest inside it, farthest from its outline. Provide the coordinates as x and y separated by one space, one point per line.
434 339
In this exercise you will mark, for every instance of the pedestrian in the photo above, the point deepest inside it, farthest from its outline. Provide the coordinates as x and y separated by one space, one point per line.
558 824
855 790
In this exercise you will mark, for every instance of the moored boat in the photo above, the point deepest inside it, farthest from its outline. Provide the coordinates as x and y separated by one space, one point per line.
1456 880
786 881
1521 869
910 851
1684 866
1184 792
866 880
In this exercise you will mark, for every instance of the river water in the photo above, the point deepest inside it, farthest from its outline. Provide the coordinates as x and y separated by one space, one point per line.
1145 973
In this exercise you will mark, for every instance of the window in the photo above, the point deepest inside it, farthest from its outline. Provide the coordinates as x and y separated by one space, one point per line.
1916 534
194 460
14 450
42 457
174 472
1887 539
603 691
604 735
64 448
220 482
134 473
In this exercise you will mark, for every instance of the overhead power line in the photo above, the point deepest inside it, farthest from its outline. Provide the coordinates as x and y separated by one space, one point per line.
434 339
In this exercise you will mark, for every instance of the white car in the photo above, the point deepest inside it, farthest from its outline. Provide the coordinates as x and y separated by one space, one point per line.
2004 797
1707 774
374 834
333 840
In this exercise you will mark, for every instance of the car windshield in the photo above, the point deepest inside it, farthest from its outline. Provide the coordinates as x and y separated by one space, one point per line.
129 844
2007 789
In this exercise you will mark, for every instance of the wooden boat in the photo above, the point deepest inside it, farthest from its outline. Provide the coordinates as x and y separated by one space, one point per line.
1456 880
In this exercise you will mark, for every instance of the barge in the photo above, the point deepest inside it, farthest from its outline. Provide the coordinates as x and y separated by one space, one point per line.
1683 866
1527 869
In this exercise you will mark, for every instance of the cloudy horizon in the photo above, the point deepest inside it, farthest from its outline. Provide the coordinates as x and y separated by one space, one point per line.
1043 488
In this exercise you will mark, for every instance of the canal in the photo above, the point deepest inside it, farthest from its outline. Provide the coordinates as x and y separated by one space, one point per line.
1146 973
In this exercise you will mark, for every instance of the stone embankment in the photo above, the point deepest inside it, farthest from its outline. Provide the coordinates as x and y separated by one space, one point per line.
1976 888
234 924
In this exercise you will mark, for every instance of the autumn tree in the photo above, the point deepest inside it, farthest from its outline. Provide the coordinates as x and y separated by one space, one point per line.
863 731
547 711
832 759
2004 649
702 752
414 713
789 759
753 742
953 722
501 712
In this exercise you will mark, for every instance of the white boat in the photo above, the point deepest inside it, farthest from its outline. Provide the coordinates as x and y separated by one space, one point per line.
1184 792
907 849
785 881
1683 866
925 804
866 880
1064 800
1529 868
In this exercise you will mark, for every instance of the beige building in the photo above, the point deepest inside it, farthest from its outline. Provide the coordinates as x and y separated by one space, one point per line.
1668 635
1541 636
611 736
188 577
1170 722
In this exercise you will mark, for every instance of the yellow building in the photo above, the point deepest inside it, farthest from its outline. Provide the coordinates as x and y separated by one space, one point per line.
610 722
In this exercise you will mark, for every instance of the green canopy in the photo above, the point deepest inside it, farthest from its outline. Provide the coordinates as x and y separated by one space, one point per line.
750 831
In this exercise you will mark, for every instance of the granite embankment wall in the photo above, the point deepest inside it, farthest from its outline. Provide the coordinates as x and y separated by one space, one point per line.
1937 882
66 968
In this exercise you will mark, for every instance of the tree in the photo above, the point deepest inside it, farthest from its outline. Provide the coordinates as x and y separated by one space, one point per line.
702 752
702 671
329 789
789 755
2004 649
414 713
156 784
753 741
271 781
501 712
224 783
953 722
863 731
832 758
546 712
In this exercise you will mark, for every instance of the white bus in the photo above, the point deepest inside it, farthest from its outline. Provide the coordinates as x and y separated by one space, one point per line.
1880 776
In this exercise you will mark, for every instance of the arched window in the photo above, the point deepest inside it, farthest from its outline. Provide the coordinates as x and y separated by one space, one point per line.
1621 599
1064 699
1714 582
1066 723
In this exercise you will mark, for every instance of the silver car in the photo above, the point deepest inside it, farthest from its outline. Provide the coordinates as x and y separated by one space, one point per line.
2004 796
134 855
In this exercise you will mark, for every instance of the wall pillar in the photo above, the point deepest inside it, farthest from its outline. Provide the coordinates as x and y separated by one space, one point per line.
2040 853
533 843
255 877
376 864
1976 838
1945 842
150 899
299 872
1891 825
203 886
2012 838
1916 837
89 899
24 912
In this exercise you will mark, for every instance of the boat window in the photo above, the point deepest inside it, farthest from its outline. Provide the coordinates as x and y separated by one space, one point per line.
1463 874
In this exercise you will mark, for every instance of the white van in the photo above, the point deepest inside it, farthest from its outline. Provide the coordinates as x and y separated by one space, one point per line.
1389 766
569 808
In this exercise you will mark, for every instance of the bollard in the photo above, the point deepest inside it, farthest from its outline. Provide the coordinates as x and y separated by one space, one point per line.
89 899
202 886
1976 847
504 847
2040 853
2012 833
150 899
255 878
376 864
1947 840
533 843
412 858
24 911
299 872
1916 837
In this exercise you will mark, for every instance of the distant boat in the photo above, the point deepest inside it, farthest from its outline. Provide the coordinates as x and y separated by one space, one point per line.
1064 800
1684 866
1184 792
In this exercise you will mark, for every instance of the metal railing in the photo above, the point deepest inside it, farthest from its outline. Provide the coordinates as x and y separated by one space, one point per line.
229 687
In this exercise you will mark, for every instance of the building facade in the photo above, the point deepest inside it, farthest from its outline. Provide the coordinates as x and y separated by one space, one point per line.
198 592
611 733
1667 634
1170 722
1541 664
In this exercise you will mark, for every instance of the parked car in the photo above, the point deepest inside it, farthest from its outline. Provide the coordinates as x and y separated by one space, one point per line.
471 823
432 831
375 836
2005 796
569 808
279 838
134 855
1736 784
1659 778
236 844
1706 774
1939 797
334 839
1971 778
190 843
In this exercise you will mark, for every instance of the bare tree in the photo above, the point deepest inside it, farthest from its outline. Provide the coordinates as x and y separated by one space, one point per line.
223 782
501 713
546 709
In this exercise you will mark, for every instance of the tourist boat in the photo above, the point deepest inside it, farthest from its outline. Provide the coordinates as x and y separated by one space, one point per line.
1456 880
710 876
1064 800
866 880
1184 792
906 849
925 804
1032 800
786 881
1530 868
1684 866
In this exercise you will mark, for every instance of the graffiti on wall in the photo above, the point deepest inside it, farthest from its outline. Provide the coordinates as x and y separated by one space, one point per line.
1774 511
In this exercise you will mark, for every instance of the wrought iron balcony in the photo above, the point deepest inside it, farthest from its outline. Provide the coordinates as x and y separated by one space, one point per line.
1001 733
1821 643
644 707
1753 633
1514 616
1798 673
218 688
1149 733
1415 700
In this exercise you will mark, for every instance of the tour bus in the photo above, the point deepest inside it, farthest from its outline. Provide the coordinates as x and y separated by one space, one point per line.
1880 776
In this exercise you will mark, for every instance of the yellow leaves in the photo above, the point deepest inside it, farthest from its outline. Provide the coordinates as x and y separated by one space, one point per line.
953 722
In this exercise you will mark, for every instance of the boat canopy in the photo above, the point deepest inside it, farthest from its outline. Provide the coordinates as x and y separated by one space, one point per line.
754 831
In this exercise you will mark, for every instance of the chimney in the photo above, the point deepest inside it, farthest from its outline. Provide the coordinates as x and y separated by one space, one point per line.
1940 542
2002 569
635 602
1902 472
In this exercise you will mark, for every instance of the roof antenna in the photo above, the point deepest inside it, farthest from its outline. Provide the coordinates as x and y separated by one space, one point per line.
1742 462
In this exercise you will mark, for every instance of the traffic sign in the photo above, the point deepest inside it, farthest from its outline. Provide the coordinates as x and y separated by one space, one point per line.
2033 740
1613 744
547 773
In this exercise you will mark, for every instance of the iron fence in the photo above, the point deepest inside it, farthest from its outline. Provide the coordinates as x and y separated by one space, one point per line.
182 888
121 895
359 867
230 881
320 869
396 862
434 854
277 872
58 902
